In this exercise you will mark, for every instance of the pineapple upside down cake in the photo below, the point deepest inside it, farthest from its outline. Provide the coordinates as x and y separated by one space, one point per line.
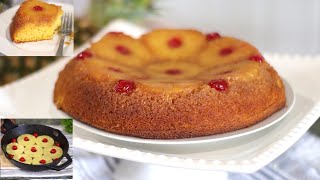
35 20
169 84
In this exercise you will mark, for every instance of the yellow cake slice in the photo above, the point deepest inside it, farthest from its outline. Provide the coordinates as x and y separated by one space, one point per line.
35 20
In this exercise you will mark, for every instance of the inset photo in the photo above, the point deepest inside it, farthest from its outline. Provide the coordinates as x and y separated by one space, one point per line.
36 148
36 28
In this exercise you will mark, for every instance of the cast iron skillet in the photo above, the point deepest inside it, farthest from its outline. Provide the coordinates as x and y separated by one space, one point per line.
14 131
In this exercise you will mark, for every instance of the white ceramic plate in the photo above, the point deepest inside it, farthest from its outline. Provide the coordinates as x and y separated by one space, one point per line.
276 117
240 154
39 48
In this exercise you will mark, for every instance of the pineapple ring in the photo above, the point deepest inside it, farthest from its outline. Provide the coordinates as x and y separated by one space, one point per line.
174 44
38 151
122 49
26 159
44 141
53 155
13 151
225 50
26 139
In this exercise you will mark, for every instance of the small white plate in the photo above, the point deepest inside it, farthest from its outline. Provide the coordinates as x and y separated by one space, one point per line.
39 48
276 117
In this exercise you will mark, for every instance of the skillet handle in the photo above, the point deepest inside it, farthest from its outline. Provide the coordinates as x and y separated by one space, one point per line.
62 166
7 126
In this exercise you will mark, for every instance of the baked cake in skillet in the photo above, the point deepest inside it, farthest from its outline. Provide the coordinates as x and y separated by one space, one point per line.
169 84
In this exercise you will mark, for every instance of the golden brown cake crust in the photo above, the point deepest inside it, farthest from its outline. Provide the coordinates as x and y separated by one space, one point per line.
169 113
26 17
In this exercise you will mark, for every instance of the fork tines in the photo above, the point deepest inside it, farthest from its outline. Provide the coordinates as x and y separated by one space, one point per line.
67 20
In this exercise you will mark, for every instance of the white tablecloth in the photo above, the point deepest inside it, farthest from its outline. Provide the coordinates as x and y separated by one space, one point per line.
302 161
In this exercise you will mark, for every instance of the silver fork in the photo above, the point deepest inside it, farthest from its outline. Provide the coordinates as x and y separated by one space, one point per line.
66 29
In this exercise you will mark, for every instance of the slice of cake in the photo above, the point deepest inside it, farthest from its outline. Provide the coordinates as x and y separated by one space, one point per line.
34 21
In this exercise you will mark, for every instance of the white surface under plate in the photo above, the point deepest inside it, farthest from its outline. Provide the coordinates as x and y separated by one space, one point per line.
38 48
276 117
32 97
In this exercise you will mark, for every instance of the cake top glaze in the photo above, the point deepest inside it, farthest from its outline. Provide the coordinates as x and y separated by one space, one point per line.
36 11
171 59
